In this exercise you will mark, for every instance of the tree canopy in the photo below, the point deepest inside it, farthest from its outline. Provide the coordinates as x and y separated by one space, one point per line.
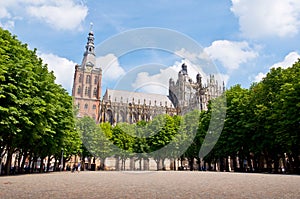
36 114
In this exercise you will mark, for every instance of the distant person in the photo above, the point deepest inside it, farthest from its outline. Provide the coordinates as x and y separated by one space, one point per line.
78 166
74 167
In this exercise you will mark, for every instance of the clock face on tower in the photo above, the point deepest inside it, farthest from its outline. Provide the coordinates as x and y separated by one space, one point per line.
88 68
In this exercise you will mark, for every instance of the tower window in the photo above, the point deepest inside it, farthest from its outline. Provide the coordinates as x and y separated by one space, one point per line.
80 78
89 91
79 90
86 90
95 92
78 105
86 106
96 80
94 106
88 79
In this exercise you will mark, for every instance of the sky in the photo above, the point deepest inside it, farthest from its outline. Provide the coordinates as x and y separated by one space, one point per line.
240 39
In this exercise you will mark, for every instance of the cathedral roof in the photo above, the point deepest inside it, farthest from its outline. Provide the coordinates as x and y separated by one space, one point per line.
136 97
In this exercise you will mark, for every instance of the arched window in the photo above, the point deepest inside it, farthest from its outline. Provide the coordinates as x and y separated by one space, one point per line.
80 78
110 117
94 106
95 92
89 91
86 90
122 117
79 90
86 106
96 80
88 79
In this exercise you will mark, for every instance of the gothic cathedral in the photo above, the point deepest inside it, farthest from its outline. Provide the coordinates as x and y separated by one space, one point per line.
125 106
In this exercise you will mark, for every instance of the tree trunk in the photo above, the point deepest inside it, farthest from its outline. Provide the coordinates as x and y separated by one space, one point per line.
19 162
227 164
140 164
209 165
102 164
269 164
33 164
296 163
157 164
255 163
198 164
181 160
163 164
8 161
146 164
29 163
48 163
276 163
249 163
123 164
42 166
117 166
234 163
191 163
261 164
241 163
55 164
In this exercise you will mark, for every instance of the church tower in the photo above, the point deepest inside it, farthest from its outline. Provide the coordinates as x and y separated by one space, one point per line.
87 82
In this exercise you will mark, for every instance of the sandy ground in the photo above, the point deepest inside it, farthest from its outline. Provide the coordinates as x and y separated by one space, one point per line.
162 184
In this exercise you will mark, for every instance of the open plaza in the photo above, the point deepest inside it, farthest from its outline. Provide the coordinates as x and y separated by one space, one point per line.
156 184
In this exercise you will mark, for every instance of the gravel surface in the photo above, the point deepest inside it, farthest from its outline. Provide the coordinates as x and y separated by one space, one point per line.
162 184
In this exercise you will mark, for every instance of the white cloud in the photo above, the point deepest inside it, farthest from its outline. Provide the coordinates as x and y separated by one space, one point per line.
4 13
259 18
110 67
63 69
230 54
183 53
288 61
61 15
159 83
259 77
8 25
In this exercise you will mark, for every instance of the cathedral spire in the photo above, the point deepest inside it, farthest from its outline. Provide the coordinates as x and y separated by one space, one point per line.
89 56
90 43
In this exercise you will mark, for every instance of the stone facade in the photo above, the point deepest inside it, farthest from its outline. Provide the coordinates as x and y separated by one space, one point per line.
125 106
87 83
187 95
131 107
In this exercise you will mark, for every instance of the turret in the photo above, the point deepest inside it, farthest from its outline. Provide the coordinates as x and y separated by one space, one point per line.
199 78
184 69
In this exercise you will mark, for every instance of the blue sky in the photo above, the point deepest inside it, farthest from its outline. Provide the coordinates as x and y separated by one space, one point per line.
243 38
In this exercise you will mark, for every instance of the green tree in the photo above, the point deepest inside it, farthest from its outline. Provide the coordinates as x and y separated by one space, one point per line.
35 113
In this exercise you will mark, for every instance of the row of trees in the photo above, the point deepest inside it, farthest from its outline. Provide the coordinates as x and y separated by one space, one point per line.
163 137
262 125
36 115
260 132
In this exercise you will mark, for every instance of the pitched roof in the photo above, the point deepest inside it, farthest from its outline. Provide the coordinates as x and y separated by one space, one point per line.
130 97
